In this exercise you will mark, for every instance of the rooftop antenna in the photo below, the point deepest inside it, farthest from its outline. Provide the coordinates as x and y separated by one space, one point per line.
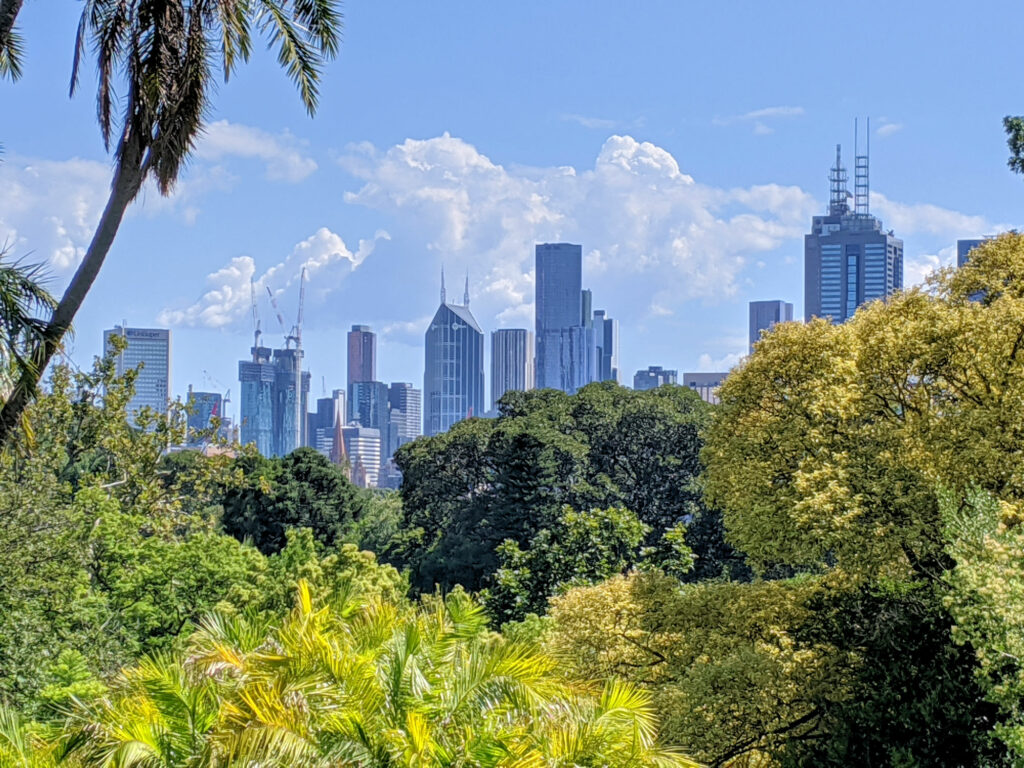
861 191
443 298
838 204
465 298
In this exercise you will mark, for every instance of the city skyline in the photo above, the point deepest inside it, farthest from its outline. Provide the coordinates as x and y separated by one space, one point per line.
691 199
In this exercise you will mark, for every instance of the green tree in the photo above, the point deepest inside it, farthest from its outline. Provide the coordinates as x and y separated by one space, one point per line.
161 58
365 683
301 490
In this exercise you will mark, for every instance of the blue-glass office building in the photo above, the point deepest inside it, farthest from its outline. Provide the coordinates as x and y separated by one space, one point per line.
849 259
566 344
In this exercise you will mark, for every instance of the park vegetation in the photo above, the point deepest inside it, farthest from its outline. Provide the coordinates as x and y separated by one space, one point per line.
824 569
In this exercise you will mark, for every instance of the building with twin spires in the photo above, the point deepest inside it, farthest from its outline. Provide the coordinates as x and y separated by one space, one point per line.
453 377
848 258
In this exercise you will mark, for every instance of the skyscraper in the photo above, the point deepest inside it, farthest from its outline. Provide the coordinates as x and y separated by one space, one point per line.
275 396
257 378
405 412
654 376
764 315
848 258
453 379
511 362
705 384
565 337
369 404
362 360
152 348
606 332
964 247
203 406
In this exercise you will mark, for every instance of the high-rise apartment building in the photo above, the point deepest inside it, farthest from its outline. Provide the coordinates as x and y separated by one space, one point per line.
150 348
848 258
654 376
765 315
564 328
606 333
274 400
511 362
257 377
362 360
705 384
453 379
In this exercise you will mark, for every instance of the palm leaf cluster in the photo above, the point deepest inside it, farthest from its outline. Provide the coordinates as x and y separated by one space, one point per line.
375 685
25 307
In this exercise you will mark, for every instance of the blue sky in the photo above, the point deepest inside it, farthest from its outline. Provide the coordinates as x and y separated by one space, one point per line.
685 145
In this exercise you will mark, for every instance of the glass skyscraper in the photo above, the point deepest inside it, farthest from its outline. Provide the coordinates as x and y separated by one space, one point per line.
511 362
566 349
764 315
362 361
606 332
274 402
453 379
848 258
150 347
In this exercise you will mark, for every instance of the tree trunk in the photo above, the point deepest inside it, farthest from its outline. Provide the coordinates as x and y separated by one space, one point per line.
125 186
8 13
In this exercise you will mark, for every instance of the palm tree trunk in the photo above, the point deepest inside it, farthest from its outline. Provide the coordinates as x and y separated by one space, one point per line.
127 181
8 13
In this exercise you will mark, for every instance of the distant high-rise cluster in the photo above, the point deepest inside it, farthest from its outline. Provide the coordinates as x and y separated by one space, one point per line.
765 315
654 376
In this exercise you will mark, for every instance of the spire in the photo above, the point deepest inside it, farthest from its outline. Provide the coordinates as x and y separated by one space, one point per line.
443 297
465 300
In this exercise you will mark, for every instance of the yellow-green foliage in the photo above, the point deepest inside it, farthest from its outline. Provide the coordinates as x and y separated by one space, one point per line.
831 440
728 676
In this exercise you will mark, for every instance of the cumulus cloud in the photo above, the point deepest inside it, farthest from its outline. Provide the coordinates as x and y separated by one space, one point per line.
708 364
635 210
324 255
928 219
281 154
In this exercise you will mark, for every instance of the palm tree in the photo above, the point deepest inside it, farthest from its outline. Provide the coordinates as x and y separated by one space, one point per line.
164 55
10 41
373 685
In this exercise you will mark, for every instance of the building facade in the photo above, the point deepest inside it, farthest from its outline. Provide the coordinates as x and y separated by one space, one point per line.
705 384
453 377
274 400
964 247
362 447
654 376
512 357
405 412
257 377
765 315
606 333
564 343
323 424
202 408
848 258
149 348
362 360
291 401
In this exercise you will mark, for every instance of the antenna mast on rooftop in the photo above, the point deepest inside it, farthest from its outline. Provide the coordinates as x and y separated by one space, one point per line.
838 204
861 192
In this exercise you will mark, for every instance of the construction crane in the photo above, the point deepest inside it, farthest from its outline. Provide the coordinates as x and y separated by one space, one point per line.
294 336
277 313
255 314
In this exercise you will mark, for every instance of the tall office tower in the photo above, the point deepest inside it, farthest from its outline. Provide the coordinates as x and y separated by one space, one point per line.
202 406
362 446
606 333
764 315
511 362
564 350
653 377
257 378
453 379
848 258
152 348
369 405
291 399
406 412
705 384
362 360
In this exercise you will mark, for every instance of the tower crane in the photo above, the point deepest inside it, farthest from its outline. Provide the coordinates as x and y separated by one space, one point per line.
255 315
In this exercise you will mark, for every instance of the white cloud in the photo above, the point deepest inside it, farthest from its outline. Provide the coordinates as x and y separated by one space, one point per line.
925 218
589 122
917 268
638 214
707 364
281 154
888 129
323 254
758 116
